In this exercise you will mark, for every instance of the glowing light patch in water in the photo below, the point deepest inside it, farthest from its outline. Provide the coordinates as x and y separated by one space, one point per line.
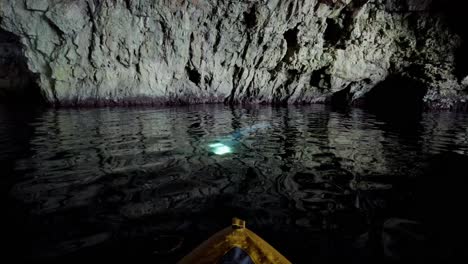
220 149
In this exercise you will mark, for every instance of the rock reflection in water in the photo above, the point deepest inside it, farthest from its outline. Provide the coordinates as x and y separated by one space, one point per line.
309 180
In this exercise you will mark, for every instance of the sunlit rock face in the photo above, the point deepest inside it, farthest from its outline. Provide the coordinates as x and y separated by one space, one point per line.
201 51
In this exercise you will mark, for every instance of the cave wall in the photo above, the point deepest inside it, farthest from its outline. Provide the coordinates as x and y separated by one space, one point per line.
102 52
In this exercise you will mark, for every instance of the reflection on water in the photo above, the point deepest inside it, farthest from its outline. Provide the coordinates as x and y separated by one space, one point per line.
148 183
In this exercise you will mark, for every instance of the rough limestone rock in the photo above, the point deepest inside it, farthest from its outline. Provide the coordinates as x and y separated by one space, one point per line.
246 51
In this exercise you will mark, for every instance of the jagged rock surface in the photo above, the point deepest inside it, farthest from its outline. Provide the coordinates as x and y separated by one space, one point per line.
200 51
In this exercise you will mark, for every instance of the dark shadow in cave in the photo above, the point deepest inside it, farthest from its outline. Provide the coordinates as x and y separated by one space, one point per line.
341 99
17 83
455 15
250 17
321 79
333 32
337 33
194 75
292 41
396 94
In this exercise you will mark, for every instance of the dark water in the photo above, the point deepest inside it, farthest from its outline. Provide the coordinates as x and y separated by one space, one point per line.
143 184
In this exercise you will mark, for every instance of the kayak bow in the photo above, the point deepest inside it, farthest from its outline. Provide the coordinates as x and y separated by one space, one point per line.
235 245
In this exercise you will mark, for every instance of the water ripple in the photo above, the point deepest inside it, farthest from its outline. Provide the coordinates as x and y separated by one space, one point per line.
289 169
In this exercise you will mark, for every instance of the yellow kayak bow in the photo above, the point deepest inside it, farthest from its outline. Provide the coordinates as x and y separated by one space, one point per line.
235 245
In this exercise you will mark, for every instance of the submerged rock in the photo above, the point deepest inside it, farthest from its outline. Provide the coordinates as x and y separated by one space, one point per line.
145 52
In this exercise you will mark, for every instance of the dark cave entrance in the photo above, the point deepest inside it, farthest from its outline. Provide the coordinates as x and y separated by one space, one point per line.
17 83
396 94
454 13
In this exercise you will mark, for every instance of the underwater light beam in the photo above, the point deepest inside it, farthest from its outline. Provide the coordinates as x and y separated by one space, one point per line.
220 149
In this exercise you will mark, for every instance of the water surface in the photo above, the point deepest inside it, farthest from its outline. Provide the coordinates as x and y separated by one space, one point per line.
319 184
